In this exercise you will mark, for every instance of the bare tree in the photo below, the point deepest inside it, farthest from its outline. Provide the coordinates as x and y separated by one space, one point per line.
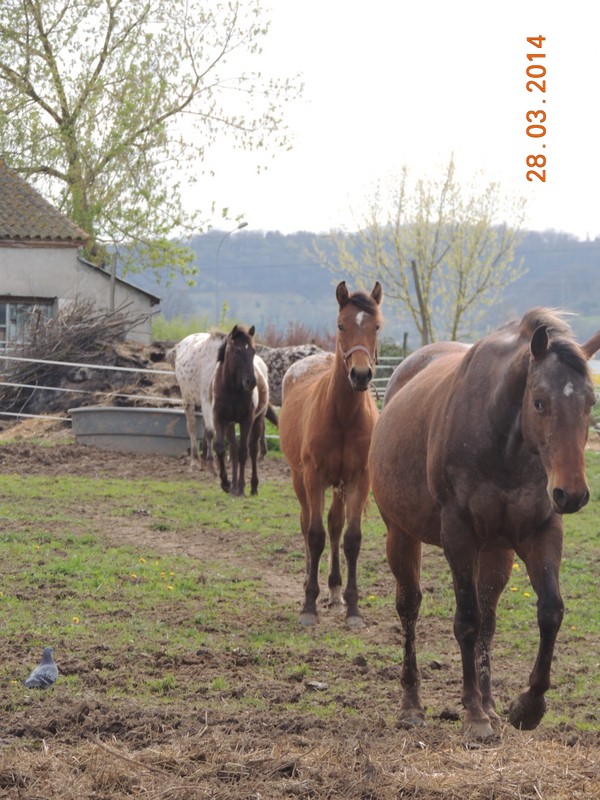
438 249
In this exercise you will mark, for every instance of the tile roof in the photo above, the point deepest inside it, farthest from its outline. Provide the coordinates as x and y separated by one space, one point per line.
25 216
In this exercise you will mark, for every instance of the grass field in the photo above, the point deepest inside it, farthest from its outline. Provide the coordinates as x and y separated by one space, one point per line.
165 598
65 584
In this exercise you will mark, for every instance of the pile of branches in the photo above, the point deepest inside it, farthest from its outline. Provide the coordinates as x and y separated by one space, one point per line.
78 334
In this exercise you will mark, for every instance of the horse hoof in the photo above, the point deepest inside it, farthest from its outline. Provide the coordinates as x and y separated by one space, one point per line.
412 718
526 711
226 487
308 620
355 622
336 607
478 729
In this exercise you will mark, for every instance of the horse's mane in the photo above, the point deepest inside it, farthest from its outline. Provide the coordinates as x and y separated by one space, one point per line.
561 336
364 302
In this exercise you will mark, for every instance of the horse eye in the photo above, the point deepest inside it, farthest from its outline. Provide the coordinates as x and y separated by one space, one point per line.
539 405
340 327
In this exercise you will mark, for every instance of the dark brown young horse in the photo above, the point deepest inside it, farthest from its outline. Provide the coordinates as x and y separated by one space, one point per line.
480 451
239 393
325 428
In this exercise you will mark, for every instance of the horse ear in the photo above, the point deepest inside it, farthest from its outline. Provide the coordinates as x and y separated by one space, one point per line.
377 293
341 294
592 345
539 342
251 331
234 330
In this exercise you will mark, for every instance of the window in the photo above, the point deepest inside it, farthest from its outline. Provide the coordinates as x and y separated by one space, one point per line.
16 319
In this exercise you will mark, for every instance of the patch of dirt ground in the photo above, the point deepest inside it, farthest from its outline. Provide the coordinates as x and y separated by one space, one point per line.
96 748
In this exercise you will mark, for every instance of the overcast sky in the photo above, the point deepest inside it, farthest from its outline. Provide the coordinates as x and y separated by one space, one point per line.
392 83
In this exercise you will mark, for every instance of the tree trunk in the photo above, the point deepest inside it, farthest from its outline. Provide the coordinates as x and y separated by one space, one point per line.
425 324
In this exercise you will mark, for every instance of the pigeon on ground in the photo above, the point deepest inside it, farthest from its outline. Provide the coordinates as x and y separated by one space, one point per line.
45 673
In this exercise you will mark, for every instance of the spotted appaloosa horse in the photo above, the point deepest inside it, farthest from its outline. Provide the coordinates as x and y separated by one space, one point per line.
325 426
279 360
195 359
239 393
481 451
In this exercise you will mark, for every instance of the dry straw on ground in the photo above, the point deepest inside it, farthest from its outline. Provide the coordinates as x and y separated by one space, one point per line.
216 764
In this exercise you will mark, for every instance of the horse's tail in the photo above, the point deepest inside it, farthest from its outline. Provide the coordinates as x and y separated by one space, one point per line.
271 415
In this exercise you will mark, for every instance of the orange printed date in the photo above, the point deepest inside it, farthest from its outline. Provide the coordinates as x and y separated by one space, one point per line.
536 128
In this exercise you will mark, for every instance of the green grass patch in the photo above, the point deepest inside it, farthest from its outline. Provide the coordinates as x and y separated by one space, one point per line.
67 581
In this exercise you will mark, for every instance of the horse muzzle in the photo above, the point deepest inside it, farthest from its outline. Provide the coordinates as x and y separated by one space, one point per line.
360 378
361 375
565 502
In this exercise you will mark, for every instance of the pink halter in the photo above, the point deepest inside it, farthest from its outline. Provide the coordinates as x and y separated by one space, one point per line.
372 360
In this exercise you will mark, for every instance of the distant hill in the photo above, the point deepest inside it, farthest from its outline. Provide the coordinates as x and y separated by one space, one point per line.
273 278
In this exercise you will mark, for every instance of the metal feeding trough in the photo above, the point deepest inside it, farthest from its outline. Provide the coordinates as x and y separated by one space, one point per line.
160 431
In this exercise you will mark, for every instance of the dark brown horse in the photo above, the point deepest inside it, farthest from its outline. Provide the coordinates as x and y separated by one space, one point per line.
325 428
481 451
239 393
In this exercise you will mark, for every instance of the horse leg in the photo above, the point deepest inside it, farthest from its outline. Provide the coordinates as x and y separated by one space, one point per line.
298 484
315 544
208 437
404 558
233 455
463 558
263 438
495 569
335 524
542 559
356 497
220 451
241 455
253 445
189 410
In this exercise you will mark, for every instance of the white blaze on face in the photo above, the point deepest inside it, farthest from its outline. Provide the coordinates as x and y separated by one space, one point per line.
360 318
568 390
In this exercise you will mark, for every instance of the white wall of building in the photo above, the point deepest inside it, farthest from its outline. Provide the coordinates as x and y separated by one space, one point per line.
57 273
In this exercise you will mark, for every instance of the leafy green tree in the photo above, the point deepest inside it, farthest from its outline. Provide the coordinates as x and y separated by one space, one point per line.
95 94
437 249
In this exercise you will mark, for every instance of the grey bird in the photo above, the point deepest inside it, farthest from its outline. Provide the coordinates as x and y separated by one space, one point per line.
45 673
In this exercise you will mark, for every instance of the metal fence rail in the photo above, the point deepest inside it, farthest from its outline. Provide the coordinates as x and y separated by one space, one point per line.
385 368
105 367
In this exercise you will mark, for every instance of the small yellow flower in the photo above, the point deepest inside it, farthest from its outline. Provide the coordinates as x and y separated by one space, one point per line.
172 574
371 597
163 574
133 576
75 620
141 560
514 589
170 588
526 594
516 567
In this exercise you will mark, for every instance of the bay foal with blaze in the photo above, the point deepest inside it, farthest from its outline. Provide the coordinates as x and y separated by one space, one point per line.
325 427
